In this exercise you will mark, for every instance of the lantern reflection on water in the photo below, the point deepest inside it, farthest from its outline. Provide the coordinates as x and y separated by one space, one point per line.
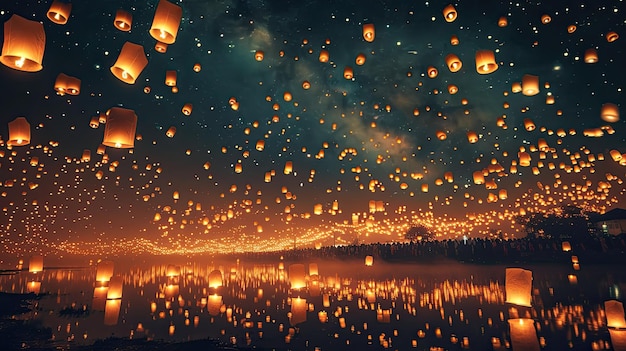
116 285
618 339
298 310
518 284
214 305
112 311
523 335
33 287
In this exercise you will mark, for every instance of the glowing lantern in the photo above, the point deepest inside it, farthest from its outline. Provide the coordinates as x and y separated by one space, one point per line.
449 13
33 287
485 62
618 339
360 59
479 177
259 55
65 84
518 283
215 279
288 167
59 12
545 19
197 67
287 96
432 72
529 125
160 47
452 89
318 209
313 269
297 276
524 158
166 21
187 108
324 56
441 135
214 305
348 73
119 131
453 62
112 311
530 85
104 272
369 33
35 265
503 22
472 137
19 132
171 131
130 62
614 311
609 113
86 156
123 20
454 40
611 37
24 44
369 260
322 316
523 334
170 78
299 308
591 56
306 85
116 285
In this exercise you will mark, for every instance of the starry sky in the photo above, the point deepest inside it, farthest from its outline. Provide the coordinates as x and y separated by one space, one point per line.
375 137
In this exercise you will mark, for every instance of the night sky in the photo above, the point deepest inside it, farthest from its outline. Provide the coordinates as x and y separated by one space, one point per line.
351 141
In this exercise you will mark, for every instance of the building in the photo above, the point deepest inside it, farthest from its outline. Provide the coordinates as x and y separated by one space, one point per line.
612 222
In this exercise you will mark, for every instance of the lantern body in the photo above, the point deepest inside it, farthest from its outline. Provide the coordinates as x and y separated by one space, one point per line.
112 311
259 55
35 264
171 131
609 113
160 47
24 44
591 56
449 13
19 132
369 260
348 73
313 269
297 276
59 12
166 21
529 125
116 285
614 311
530 85
215 279
453 62
288 167
472 137
130 62
123 20
170 78
503 22
324 56
65 84
369 32
611 37
104 272
523 334
119 131
187 108
518 283
485 62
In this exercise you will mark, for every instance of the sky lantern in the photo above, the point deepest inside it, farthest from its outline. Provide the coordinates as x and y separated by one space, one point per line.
19 132
119 131
530 85
112 309
518 284
166 21
170 78
369 33
116 286
591 55
503 22
65 84
453 89
453 62
24 44
485 62
197 67
59 12
86 156
104 271
472 137
160 47
360 59
369 260
123 20
611 36
215 279
259 55
287 96
609 113
478 177
524 158
432 72
614 311
187 108
297 276
171 131
454 40
35 265
324 56
545 19
288 167
130 62
348 73
449 13
523 334
529 125
441 135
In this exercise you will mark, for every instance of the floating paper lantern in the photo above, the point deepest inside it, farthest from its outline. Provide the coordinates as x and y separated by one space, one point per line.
197 67
119 131
215 279
259 55
112 311
523 334
472 137
297 276
454 40
369 32
449 13
529 125
614 311
123 20
86 157
19 132
35 265
166 21
24 44
503 22
609 113
360 59
104 272
452 89
59 12
160 47
170 78
324 56
116 285
485 62
65 84
545 19
530 85
591 56
432 72
518 283
369 260
214 305
611 37
348 72
322 316
313 269
453 62
130 62
187 108
288 167
33 287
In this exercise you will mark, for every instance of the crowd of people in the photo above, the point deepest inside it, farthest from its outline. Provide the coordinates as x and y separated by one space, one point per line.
591 249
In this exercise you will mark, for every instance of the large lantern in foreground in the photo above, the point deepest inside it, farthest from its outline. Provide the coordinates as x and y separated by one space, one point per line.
614 311
35 264
518 283
123 20
59 12
19 132
530 85
104 272
166 21
120 128
24 44
131 61
486 62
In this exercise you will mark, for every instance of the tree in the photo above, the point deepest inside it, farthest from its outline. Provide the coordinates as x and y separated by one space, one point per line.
566 222
418 233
